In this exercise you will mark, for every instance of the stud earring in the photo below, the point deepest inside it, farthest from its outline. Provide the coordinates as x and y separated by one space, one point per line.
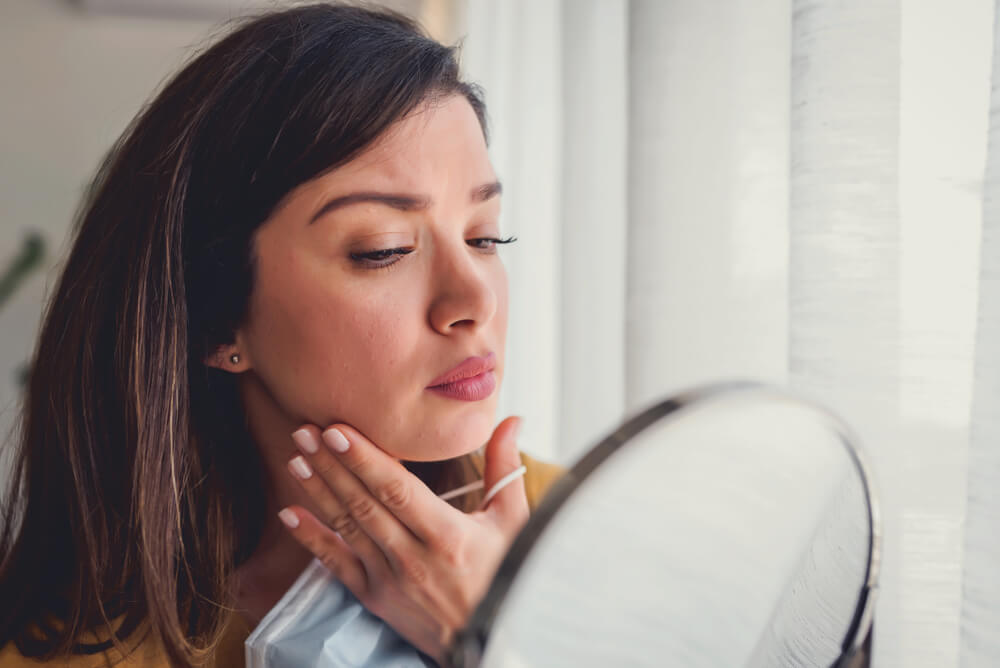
234 358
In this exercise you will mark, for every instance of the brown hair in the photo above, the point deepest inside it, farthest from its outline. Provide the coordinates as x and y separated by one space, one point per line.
136 491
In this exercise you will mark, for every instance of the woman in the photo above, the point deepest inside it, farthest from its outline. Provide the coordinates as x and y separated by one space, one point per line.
292 248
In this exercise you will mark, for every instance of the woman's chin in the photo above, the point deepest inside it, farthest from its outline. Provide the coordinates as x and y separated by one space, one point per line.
436 453
439 444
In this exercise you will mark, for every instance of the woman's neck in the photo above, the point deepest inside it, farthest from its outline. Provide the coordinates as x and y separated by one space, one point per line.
278 559
263 579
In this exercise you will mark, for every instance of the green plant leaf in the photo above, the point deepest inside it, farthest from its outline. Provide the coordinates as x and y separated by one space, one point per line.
27 260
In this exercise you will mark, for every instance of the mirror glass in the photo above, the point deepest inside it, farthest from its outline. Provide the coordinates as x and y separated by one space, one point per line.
725 527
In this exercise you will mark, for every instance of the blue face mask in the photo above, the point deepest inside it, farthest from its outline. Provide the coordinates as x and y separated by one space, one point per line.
319 623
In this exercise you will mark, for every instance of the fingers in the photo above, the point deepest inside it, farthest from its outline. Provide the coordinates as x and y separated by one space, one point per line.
328 547
364 520
315 470
330 508
396 489
510 505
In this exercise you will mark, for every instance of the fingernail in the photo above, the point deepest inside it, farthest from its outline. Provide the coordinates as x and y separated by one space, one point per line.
517 428
289 517
306 442
336 440
301 468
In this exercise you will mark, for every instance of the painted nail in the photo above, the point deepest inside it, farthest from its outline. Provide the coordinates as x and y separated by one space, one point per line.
306 442
301 468
289 517
336 440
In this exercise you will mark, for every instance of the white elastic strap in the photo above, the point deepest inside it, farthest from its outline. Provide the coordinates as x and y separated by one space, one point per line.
501 483
464 489
473 486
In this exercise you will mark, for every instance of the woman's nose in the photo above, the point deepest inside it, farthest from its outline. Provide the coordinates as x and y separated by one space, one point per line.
464 293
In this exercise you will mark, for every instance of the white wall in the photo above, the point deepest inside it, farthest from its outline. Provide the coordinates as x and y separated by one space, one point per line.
69 84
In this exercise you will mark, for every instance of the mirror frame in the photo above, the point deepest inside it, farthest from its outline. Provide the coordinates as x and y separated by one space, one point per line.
469 645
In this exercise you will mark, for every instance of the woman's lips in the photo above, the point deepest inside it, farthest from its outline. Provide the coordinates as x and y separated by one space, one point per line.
476 388
467 368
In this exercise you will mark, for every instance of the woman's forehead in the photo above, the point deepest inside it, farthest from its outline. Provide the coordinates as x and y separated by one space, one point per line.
427 151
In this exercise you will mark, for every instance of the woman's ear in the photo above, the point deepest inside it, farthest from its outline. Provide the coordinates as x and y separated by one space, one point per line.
229 357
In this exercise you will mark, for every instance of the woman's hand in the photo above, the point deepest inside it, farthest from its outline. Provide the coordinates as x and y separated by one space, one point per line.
418 563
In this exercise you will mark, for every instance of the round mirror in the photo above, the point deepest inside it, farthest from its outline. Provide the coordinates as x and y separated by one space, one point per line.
729 526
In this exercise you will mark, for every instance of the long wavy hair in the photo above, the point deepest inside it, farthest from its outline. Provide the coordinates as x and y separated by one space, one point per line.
137 489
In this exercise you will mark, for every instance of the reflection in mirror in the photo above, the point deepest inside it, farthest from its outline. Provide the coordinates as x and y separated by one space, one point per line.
732 526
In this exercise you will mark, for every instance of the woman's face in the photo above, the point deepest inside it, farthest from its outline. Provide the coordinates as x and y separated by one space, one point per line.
341 330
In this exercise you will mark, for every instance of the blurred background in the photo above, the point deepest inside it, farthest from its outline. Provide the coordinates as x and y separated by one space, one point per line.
797 191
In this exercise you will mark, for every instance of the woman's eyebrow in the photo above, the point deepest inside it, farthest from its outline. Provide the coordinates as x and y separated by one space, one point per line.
400 201
484 192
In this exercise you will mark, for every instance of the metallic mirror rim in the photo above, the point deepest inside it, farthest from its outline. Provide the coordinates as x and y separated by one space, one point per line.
469 644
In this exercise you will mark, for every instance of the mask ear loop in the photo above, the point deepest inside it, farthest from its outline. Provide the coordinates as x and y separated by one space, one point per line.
461 491
501 483
471 487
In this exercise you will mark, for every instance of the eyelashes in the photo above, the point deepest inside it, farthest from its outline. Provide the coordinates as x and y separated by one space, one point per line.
492 241
386 257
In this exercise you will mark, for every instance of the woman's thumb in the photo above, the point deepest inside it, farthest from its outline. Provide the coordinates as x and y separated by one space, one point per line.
510 504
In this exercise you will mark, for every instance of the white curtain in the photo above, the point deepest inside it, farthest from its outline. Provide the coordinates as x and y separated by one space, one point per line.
981 580
786 190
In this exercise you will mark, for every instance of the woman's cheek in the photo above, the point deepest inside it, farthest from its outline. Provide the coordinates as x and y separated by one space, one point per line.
302 360
370 361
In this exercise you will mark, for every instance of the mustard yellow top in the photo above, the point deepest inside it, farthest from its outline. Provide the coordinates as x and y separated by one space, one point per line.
230 654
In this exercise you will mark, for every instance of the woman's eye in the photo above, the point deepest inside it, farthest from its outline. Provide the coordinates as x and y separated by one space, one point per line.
489 243
379 259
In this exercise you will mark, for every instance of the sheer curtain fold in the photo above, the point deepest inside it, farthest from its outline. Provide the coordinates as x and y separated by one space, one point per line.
708 114
594 219
787 190
844 215
981 566
844 226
